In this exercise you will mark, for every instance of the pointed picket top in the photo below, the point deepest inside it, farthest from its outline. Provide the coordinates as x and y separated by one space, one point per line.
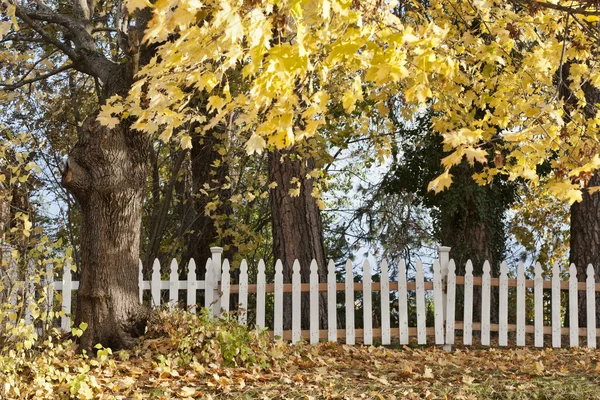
590 271
278 303
503 269
438 303
521 304
331 302
402 303
296 267
225 286
538 315
260 292
243 295
486 267
556 271
503 307
538 270
572 271
385 304
450 302
469 267
261 266
192 285
590 295
314 268
140 281
573 307
349 289
468 305
314 303
174 268
155 283
367 305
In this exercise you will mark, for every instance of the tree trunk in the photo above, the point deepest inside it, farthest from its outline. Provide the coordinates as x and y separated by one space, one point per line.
585 242
106 172
297 228
585 215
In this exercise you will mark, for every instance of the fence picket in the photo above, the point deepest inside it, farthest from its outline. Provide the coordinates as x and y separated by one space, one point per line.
173 285
225 287
192 286
314 303
349 283
367 305
503 307
556 324
49 289
450 302
421 315
521 304
260 293
208 284
65 323
538 294
243 295
438 303
331 303
385 304
573 307
485 304
155 283
296 305
468 305
590 296
402 303
278 298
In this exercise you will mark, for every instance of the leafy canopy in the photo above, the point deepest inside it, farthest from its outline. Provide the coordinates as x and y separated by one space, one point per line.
491 71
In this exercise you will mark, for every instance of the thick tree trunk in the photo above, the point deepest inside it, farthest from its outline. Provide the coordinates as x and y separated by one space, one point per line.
106 172
585 242
585 215
297 228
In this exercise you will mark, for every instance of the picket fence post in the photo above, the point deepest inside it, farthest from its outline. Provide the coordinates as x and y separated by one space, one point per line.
402 303
243 294
216 253
65 323
444 257
331 303
349 288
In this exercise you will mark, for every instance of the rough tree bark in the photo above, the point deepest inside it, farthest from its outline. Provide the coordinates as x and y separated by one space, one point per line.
585 215
107 168
106 172
297 228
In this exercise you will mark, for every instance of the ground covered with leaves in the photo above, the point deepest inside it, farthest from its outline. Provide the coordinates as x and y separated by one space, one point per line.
195 357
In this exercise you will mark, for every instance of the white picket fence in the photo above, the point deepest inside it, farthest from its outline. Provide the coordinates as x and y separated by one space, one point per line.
441 291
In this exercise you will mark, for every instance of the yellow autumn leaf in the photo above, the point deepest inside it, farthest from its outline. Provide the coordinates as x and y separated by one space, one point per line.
440 183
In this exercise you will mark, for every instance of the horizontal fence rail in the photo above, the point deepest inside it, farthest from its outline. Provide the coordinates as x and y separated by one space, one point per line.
414 303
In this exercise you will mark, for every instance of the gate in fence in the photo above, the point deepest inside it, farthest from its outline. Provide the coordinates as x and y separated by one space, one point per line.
399 298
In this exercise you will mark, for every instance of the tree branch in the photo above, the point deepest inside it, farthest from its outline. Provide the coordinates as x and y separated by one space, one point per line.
571 10
21 13
36 79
